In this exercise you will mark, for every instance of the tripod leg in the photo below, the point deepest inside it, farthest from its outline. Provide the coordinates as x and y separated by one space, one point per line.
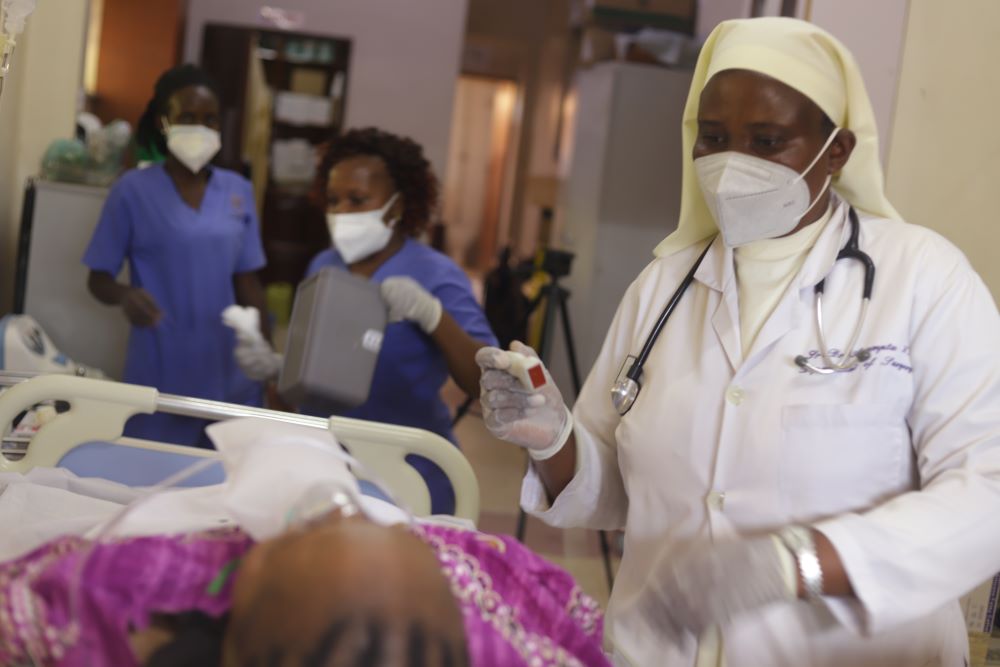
463 409
568 335
563 297
522 525
606 555
553 299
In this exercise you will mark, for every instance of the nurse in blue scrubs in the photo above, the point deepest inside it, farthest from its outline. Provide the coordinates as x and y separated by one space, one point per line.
189 234
380 195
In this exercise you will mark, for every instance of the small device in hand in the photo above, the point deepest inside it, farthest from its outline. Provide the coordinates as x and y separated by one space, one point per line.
334 339
528 370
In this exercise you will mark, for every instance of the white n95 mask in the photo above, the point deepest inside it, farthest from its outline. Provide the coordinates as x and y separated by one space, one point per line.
752 198
193 145
360 235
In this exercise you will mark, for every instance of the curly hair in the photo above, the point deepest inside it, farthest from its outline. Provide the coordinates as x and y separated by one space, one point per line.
409 170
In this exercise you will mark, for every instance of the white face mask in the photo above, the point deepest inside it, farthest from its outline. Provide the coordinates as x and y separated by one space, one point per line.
360 235
752 198
193 145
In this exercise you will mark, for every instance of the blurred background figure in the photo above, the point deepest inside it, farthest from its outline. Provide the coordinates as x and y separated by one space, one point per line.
189 234
380 194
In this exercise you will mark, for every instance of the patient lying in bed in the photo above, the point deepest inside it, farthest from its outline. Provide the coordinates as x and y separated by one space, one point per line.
302 584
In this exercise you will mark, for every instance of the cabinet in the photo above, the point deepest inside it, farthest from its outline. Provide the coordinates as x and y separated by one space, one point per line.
57 223
283 97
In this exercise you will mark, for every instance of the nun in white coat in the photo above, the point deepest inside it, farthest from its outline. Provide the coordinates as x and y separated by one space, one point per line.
785 502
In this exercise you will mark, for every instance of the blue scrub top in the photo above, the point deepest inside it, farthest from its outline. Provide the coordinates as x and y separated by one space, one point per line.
411 369
186 259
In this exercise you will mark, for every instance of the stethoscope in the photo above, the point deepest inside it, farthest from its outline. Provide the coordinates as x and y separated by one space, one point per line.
626 389
849 251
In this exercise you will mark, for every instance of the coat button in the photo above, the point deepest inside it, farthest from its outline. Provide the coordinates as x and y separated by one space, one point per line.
716 501
735 395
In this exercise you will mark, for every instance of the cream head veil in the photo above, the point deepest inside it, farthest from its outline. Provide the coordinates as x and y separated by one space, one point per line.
811 61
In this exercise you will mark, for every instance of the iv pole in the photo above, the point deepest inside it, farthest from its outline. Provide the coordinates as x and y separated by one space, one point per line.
7 53
13 13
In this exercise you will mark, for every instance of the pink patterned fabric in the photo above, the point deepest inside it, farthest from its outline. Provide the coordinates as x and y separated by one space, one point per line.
517 608
123 584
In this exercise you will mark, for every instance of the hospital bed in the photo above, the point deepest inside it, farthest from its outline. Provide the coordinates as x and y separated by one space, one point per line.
87 439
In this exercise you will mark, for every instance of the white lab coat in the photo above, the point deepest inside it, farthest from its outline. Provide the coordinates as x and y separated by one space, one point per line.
898 462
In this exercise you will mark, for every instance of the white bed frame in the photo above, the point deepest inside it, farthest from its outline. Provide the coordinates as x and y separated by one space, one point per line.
99 410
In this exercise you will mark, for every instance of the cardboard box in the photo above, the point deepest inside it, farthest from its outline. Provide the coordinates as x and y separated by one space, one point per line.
979 608
676 15
993 653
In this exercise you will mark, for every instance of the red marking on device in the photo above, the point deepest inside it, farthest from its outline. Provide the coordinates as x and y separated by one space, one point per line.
537 376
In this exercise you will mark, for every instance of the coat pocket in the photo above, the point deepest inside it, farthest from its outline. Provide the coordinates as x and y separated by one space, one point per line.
842 458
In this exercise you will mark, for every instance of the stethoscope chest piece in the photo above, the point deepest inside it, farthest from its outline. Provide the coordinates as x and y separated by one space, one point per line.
626 388
623 395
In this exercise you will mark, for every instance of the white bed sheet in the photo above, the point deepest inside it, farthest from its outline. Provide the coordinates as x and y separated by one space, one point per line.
268 465
47 503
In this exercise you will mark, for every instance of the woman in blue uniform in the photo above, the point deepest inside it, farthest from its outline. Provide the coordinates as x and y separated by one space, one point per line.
380 194
189 233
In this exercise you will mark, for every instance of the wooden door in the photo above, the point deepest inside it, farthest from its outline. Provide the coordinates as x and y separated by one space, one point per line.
138 42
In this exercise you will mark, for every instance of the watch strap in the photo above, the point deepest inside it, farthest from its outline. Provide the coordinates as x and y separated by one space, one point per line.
799 540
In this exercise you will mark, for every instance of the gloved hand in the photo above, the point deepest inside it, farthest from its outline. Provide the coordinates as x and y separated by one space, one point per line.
712 584
256 358
407 300
141 308
537 420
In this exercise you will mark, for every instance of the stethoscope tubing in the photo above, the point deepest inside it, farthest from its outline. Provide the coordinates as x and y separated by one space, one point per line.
635 371
851 250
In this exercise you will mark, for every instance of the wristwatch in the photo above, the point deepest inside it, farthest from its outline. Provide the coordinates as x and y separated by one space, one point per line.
799 540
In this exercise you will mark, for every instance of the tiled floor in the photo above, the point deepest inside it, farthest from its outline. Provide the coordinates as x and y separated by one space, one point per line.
500 467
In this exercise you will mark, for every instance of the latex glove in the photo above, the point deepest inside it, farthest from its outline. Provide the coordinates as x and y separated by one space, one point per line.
407 300
712 584
537 420
141 308
257 360
253 353
244 321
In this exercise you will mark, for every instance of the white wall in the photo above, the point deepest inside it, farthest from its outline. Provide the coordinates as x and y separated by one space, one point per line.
38 105
405 58
874 31
944 163
713 12
10 191
622 194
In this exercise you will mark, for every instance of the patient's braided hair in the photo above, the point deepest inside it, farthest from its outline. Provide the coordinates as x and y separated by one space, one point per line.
368 643
404 159
197 642
354 642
